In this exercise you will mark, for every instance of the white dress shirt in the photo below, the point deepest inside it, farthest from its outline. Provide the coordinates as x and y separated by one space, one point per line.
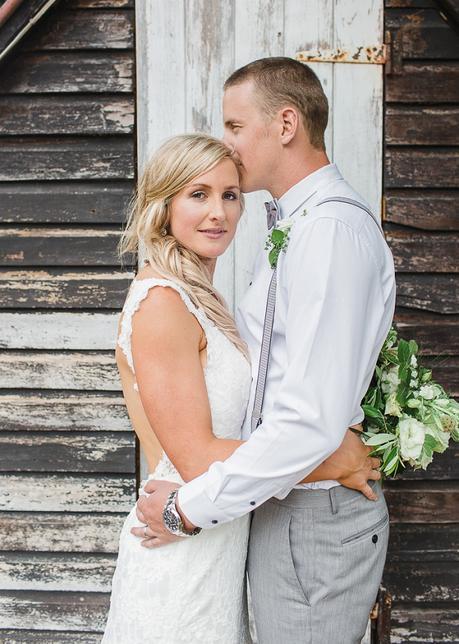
334 307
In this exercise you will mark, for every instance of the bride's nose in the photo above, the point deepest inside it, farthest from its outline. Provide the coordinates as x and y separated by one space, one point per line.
217 212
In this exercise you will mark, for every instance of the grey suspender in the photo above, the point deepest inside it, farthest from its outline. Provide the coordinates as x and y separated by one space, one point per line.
269 322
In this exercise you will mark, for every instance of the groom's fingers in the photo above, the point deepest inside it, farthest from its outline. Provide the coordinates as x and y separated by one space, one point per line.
368 492
375 475
375 463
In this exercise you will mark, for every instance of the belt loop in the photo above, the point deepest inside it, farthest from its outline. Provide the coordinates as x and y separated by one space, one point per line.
333 500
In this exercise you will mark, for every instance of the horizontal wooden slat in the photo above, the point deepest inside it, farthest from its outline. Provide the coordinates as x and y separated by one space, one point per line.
60 532
406 125
48 637
68 72
59 246
421 168
435 334
63 289
423 582
55 571
55 493
56 611
424 209
423 34
58 330
423 252
435 82
86 412
417 503
68 452
35 115
65 202
435 293
445 370
389 4
99 4
39 159
41 370
423 624
423 542
109 29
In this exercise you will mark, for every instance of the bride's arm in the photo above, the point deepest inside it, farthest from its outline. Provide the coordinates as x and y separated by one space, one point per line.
166 341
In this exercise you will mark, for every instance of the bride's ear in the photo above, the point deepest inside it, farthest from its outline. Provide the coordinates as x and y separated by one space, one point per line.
289 121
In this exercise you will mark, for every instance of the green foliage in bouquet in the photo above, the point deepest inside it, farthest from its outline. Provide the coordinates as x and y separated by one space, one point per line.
408 416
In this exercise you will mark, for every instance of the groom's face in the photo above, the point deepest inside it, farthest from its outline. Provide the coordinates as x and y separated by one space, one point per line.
252 135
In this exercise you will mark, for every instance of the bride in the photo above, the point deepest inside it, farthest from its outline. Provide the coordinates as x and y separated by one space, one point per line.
186 379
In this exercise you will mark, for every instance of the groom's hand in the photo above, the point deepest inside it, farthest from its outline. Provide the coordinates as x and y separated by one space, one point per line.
355 465
150 512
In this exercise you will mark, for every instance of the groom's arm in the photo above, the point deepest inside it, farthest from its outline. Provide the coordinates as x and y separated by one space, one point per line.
335 308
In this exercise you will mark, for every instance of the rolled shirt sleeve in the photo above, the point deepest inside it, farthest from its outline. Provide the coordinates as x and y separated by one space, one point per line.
334 309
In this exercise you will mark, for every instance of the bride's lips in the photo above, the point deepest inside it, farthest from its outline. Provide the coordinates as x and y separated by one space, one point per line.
213 233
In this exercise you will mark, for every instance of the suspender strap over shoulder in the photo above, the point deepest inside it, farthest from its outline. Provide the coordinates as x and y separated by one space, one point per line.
263 364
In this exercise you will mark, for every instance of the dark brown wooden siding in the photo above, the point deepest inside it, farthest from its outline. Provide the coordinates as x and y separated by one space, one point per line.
421 225
67 453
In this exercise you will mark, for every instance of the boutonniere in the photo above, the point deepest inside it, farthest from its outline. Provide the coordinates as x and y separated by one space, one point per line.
277 241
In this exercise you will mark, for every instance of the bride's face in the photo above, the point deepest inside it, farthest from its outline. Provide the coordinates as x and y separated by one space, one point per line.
205 213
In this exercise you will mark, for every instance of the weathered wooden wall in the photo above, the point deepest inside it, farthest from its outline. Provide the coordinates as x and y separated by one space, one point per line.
67 453
421 225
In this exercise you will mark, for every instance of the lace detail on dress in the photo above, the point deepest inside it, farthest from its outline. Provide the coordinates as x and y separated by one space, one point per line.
138 292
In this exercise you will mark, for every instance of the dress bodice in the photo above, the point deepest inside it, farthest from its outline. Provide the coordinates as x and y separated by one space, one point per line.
227 372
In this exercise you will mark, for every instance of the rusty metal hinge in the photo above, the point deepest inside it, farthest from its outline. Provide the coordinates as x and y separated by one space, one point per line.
364 55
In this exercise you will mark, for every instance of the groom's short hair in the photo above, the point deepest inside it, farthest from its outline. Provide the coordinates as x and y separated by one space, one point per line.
283 81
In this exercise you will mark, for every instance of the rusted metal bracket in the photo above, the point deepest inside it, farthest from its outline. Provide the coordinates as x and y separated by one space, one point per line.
364 55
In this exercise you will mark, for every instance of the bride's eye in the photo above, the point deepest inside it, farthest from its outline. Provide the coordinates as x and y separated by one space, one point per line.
199 194
230 195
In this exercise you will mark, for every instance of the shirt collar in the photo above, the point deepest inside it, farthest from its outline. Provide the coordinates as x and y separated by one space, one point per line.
298 194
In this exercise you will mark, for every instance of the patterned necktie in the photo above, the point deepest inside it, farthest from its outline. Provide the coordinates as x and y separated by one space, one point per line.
272 212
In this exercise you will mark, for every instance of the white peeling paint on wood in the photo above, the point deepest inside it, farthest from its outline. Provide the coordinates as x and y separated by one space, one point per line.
53 493
93 331
68 413
88 372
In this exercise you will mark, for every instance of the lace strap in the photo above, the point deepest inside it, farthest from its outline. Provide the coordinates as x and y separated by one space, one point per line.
138 292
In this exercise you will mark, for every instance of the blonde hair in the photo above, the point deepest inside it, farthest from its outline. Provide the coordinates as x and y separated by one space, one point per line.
281 81
174 165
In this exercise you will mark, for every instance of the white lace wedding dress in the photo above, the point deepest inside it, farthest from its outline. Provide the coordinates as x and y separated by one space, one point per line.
193 590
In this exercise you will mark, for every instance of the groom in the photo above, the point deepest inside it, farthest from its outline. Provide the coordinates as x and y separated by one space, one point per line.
317 550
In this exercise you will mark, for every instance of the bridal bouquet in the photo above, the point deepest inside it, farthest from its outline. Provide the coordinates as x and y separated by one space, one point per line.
408 416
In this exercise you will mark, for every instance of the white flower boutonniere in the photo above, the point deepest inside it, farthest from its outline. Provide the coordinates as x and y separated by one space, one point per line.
278 240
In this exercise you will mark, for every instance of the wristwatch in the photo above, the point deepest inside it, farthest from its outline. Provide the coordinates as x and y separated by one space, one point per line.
173 520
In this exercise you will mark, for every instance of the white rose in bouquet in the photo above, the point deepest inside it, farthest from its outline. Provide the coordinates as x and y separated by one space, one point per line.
412 434
390 381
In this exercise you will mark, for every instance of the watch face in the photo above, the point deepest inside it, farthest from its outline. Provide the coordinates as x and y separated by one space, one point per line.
171 521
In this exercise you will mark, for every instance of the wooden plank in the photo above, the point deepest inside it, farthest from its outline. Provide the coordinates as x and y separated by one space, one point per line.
42 370
428 4
65 202
53 115
69 72
437 125
56 330
59 246
50 289
68 158
55 571
435 334
446 370
85 412
55 611
31 452
415 625
84 30
426 210
99 4
421 168
423 582
70 493
417 503
435 293
424 83
423 542
60 532
423 252
48 637
423 34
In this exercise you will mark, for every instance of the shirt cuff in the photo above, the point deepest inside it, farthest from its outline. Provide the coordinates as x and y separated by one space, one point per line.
198 508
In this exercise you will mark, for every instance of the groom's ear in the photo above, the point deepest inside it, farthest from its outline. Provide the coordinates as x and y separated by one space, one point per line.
290 122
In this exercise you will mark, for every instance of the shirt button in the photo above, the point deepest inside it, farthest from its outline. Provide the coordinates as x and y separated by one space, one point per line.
252 503
214 521
374 538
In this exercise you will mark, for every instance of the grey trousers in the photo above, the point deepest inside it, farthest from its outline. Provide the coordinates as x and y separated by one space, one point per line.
315 563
